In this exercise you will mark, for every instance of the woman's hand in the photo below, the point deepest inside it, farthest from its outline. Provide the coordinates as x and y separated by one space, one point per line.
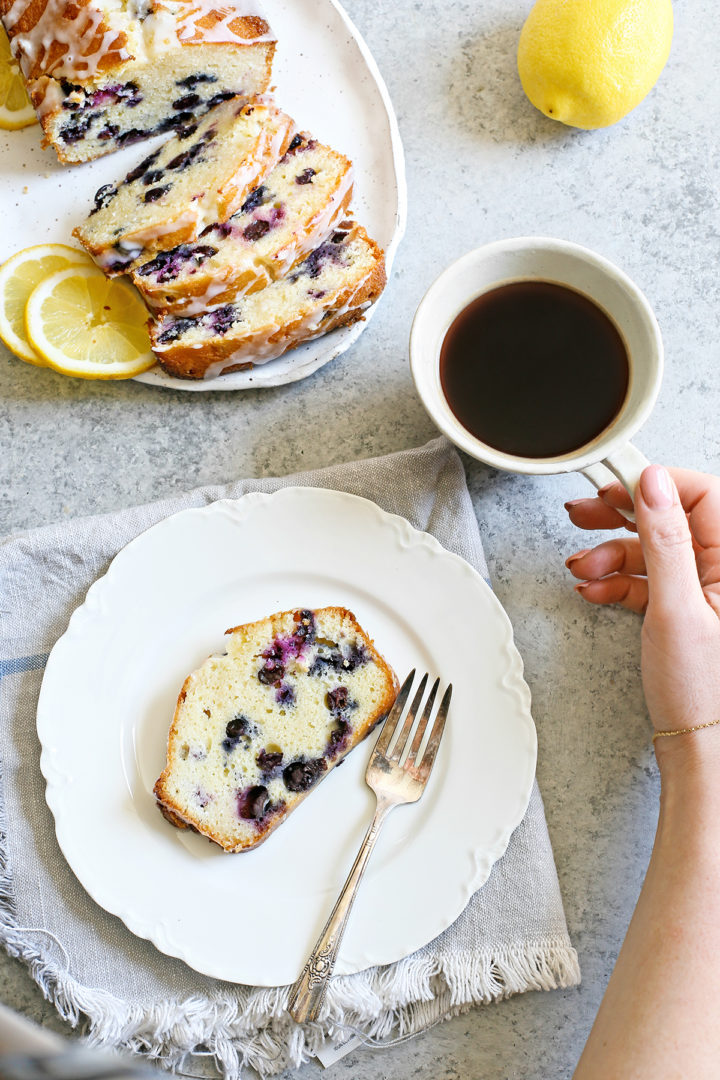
666 983
671 572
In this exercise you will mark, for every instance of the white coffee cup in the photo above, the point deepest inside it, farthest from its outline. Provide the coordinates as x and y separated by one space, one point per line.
610 454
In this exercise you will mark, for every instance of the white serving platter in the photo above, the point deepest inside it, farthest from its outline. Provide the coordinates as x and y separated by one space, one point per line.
326 78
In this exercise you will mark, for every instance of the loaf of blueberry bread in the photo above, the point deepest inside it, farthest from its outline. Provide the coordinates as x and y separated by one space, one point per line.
282 220
257 728
102 74
196 178
332 287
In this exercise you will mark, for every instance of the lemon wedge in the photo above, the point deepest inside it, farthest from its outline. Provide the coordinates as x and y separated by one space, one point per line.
588 63
85 325
16 110
18 277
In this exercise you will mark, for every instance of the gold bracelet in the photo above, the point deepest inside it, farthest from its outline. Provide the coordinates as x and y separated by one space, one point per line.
685 730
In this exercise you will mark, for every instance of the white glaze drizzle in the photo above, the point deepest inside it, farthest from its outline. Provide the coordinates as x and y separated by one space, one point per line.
193 305
260 348
203 211
274 133
88 38
215 20
265 270
321 224
51 99
273 339
136 245
93 31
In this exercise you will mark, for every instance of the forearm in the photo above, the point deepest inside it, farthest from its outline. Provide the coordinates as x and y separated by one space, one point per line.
658 1019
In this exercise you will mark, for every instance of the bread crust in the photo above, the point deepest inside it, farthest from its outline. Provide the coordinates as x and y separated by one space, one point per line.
176 814
236 280
182 221
185 361
97 44
50 55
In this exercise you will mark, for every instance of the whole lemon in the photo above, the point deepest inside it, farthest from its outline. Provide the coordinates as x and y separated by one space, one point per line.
587 63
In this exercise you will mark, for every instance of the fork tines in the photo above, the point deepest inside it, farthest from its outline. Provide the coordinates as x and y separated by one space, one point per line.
393 743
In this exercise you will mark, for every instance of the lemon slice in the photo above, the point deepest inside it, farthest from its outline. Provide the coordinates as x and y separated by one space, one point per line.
18 277
85 325
16 110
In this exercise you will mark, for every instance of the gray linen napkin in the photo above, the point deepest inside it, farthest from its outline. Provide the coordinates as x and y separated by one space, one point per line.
511 937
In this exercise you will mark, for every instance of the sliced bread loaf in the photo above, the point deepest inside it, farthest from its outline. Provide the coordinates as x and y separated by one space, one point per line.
257 728
332 287
103 74
195 179
293 211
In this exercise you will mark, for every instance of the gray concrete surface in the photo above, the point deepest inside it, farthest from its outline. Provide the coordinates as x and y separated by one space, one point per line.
482 164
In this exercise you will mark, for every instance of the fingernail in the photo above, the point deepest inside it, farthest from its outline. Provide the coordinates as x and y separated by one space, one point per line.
578 555
602 492
572 502
657 488
581 586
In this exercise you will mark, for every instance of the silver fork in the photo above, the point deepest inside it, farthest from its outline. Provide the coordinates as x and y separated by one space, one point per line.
396 775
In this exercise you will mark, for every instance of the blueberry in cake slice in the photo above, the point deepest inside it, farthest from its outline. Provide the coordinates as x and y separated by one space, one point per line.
332 287
103 74
293 211
191 181
256 729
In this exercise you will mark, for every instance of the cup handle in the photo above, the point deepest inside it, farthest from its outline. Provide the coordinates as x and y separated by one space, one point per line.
625 465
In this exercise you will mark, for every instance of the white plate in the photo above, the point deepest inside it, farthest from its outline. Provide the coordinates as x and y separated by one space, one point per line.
326 78
109 693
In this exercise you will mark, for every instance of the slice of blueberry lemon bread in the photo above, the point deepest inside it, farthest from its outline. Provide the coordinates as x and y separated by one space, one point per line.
293 211
332 287
193 180
256 729
102 73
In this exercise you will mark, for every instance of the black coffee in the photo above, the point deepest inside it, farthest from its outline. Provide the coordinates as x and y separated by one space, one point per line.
534 369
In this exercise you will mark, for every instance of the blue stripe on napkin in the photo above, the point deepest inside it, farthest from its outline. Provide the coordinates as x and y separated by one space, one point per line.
23 663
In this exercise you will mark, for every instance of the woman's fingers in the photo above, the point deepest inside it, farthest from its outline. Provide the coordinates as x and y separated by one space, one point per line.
616 495
620 556
596 514
630 592
609 572
700 497
673 584
679 516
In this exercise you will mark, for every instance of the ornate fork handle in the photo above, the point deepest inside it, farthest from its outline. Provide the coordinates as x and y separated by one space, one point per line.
394 784
308 993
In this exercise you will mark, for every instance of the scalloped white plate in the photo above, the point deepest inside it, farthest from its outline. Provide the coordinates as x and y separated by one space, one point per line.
326 78
109 693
